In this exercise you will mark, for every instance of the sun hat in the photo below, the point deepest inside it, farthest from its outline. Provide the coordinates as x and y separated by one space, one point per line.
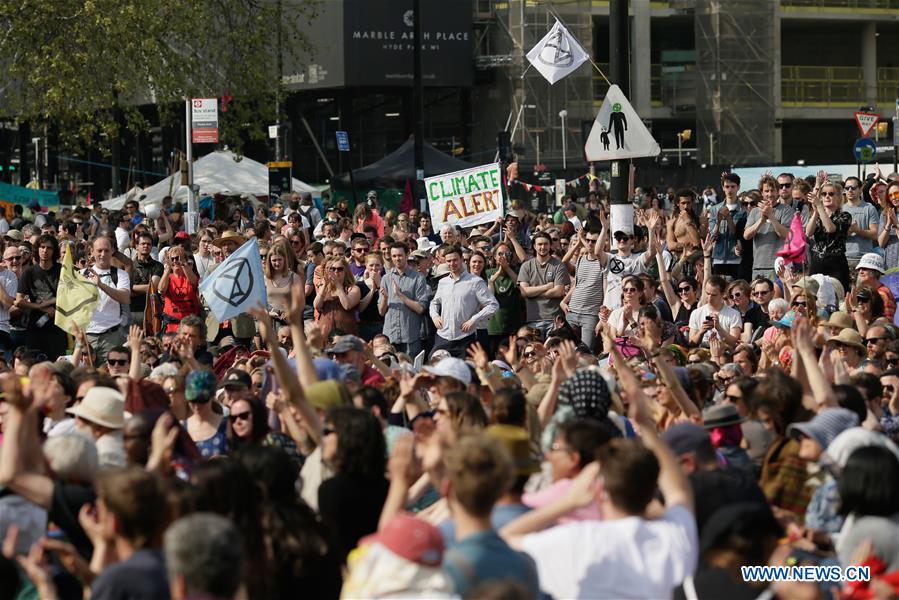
441 270
103 406
839 319
721 415
425 244
849 337
872 261
227 237
451 367
15 235
825 426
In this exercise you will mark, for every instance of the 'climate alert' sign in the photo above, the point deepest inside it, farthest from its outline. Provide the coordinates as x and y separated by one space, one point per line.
466 198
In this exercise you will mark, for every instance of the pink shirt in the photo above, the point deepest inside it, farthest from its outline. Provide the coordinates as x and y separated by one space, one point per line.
556 491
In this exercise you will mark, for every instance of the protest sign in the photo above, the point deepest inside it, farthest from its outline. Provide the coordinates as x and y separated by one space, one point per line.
466 198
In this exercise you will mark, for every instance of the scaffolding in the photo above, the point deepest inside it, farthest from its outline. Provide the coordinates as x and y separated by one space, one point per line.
520 100
735 103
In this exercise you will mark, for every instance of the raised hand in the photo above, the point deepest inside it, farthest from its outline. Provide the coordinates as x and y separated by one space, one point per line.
708 244
568 356
135 337
478 355
264 321
511 353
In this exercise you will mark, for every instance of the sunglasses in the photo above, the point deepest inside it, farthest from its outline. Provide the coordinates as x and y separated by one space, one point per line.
851 188
244 416
862 299
684 290
736 295
629 290
12 259
335 269
531 354
623 238
892 362
784 186
798 303
117 362
874 340
828 194
761 292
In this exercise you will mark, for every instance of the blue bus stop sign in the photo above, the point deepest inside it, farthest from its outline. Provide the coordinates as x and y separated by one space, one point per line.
865 150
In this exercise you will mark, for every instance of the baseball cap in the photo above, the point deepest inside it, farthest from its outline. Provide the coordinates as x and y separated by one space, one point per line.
683 438
346 343
237 378
182 235
411 538
451 367
807 284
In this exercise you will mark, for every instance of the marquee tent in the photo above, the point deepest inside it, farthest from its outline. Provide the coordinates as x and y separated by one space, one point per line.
215 173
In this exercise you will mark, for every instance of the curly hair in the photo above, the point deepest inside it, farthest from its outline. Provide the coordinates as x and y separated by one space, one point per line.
361 450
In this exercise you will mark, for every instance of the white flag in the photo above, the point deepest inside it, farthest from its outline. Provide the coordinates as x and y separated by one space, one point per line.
557 54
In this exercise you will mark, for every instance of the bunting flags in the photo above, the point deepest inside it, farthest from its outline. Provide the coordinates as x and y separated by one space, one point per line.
552 188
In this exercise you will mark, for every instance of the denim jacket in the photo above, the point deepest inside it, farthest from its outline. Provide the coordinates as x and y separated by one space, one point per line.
727 238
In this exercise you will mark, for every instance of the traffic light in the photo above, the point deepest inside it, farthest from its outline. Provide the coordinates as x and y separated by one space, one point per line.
883 127
686 134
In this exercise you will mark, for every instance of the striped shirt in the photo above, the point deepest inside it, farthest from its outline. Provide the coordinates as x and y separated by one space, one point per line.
588 287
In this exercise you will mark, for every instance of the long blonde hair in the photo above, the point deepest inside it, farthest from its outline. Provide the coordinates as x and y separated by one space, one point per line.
348 279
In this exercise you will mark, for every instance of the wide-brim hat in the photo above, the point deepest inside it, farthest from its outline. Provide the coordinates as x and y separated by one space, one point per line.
229 236
425 244
721 415
849 337
103 406
839 319
872 261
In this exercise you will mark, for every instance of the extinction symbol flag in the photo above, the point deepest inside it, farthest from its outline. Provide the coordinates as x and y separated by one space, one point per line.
236 285
618 131
557 54
76 297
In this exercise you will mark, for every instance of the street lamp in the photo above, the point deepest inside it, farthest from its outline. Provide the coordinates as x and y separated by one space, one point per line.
563 114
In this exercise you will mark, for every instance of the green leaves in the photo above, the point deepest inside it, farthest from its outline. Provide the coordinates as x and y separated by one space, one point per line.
87 66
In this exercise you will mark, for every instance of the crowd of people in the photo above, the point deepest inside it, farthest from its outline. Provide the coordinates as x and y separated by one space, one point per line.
547 405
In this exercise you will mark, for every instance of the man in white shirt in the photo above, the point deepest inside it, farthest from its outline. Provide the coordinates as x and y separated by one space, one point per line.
105 330
627 554
122 235
715 316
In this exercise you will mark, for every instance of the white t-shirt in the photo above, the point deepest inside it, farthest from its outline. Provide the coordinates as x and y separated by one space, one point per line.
122 239
728 317
622 558
108 313
4 226
624 322
10 284
617 269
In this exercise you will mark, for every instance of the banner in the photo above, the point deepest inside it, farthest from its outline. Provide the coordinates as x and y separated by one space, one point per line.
76 297
557 55
466 198
15 194
237 284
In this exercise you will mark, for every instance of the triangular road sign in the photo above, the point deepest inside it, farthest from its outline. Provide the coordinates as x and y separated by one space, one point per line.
618 132
866 122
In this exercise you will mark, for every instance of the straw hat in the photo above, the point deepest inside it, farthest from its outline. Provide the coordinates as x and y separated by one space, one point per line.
102 406
849 337
839 319
229 236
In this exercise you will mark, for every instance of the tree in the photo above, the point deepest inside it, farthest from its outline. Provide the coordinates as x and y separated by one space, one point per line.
86 66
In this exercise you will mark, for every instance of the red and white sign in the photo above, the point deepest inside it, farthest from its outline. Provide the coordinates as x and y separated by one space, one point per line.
866 122
204 120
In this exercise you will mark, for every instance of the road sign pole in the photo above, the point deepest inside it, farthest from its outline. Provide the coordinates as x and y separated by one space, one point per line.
191 209
343 145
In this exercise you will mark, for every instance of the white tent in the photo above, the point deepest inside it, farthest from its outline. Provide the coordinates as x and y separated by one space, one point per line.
215 173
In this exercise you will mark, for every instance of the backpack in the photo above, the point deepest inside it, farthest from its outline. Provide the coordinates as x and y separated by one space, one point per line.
124 309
